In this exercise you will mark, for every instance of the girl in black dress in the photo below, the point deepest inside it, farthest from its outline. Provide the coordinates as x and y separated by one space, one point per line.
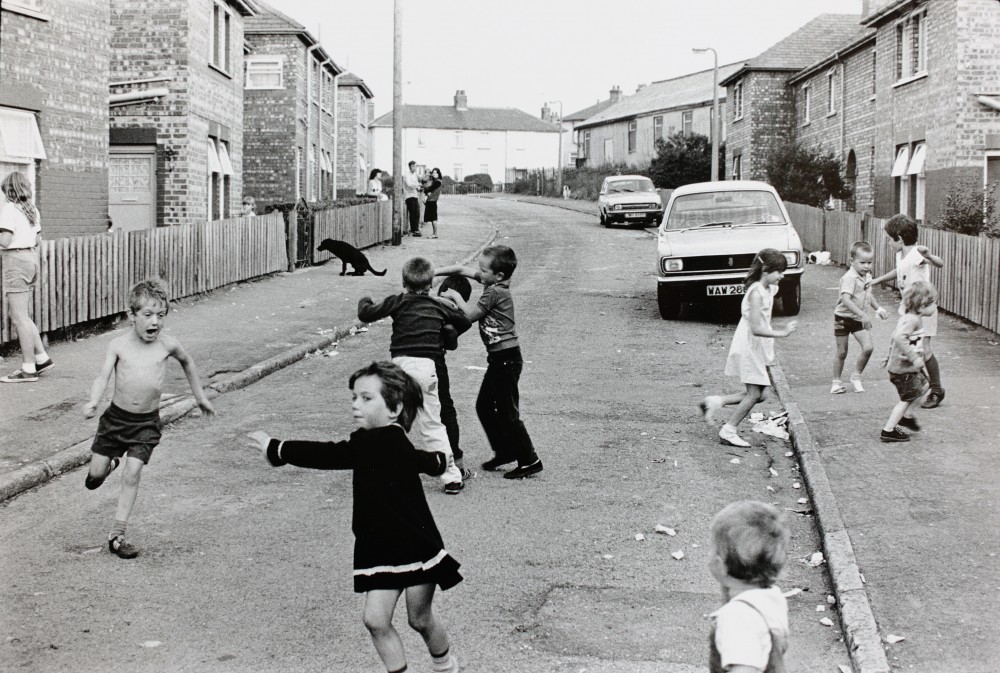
397 545
432 190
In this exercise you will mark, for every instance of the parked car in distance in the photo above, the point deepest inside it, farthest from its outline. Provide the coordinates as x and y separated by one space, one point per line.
629 199
709 237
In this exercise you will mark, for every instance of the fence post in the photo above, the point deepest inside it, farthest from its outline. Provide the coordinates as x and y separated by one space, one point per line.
823 230
292 229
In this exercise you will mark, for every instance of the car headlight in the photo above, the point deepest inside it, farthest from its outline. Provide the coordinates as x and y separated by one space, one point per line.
792 257
672 265
617 206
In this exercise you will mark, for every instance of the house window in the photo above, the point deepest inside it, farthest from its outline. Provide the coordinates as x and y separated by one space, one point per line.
899 177
806 102
20 144
459 142
657 129
738 167
420 139
264 72
738 100
457 170
911 45
831 92
585 148
484 169
917 179
632 127
484 140
687 121
221 36
609 150
219 175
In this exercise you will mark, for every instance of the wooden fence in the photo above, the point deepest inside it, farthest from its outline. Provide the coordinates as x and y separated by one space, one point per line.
362 226
968 285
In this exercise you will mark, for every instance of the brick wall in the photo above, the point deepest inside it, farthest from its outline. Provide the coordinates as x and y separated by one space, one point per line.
348 102
58 68
768 119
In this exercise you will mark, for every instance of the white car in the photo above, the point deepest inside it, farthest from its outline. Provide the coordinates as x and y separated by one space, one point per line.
629 199
709 237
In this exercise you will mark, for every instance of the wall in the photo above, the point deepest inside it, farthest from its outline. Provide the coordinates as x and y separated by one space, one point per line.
768 119
353 155
59 69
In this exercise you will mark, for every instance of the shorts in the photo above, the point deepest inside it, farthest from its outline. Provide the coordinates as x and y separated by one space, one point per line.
843 326
120 432
910 385
20 270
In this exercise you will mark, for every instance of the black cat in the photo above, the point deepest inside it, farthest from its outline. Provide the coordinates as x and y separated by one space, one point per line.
348 254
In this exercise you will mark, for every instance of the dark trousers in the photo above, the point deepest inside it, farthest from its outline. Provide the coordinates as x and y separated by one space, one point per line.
497 407
413 212
448 414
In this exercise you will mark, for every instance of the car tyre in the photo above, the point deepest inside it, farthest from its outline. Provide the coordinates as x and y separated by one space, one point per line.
791 297
669 304
604 219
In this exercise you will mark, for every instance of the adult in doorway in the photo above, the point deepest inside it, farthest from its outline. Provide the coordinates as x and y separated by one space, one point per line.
20 232
411 190
432 190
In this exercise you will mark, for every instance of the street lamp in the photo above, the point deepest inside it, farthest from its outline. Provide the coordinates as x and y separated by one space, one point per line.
559 184
716 123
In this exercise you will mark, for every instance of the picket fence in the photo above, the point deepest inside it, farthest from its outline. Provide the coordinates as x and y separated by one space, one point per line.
968 285
362 226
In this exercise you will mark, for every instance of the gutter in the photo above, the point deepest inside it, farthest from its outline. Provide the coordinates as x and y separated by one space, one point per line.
144 96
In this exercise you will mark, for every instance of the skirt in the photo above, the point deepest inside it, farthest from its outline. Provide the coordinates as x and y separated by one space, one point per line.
431 211
441 570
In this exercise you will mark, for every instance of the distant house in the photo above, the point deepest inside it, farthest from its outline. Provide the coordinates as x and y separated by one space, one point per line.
572 156
354 135
626 132
289 108
462 140
54 62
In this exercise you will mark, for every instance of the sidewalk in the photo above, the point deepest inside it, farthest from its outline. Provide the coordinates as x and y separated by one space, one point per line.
235 335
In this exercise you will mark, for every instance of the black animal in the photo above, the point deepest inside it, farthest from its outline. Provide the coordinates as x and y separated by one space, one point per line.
348 254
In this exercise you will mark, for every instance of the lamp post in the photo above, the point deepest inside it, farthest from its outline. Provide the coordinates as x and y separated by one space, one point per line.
716 122
559 176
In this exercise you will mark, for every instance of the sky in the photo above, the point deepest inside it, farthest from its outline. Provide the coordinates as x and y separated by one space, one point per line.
522 53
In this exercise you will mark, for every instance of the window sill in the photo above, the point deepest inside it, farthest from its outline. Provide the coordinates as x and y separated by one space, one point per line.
831 114
911 78
872 98
738 119
806 123
220 71
264 88
18 9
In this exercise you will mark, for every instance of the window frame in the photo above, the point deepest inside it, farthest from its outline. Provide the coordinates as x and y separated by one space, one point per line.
657 129
738 167
831 92
687 122
459 141
459 173
29 8
806 104
911 46
278 61
222 28
738 101
633 132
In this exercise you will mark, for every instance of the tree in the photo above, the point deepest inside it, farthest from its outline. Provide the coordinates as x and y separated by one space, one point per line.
970 209
682 159
805 175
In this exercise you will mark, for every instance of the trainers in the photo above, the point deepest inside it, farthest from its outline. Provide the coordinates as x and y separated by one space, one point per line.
837 388
933 400
454 487
727 435
708 407
45 366
20 376
896 435
856 382
117 545
494 464
522 471
909 424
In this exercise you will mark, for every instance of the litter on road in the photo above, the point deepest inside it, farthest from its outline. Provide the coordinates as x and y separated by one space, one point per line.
678 555
639 537
894 639
660 528
826 621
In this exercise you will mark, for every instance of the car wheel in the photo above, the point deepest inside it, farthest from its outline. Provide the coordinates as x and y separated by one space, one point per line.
670 304
791 297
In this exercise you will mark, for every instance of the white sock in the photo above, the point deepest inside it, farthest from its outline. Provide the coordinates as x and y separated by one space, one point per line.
28 369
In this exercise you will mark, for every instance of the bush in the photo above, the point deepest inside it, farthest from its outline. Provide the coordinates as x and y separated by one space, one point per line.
682 159
969 209
805 175
481 179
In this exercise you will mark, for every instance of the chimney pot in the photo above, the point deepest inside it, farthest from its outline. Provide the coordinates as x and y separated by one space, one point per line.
461 100
616 94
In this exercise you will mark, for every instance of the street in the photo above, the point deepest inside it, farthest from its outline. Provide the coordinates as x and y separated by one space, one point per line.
245 567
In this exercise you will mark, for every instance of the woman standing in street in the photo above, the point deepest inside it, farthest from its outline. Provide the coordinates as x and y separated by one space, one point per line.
375 185
432 190
20 232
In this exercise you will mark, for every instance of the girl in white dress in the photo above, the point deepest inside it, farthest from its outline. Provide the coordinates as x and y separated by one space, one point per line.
752 349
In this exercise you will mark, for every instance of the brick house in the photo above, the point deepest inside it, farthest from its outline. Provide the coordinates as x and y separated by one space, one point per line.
460 140
626 132
176 110
355 114
54 108
571 154
760 105
289 111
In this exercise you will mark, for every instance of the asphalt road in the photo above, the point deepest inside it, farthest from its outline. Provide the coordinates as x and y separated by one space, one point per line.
248 568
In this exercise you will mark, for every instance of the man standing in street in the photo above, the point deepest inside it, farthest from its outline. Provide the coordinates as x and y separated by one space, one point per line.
411 184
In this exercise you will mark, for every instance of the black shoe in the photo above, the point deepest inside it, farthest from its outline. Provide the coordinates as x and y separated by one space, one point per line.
494 464
118 546
45 366
909 424
933 400
895 436
417 233
522 471
454 487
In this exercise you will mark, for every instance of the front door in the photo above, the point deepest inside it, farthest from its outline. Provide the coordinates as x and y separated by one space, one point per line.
132 188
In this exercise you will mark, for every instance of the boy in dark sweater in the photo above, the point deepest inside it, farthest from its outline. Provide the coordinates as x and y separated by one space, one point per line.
449 341
417 323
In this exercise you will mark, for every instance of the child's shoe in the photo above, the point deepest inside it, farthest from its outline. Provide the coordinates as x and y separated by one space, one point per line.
20 376
708 407
445 664
895 435
837 388
909 424
454 487
728 436
44 366
494 464
522 471
856 382
118 546
933 400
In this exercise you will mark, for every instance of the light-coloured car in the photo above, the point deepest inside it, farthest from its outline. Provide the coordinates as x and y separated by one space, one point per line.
709 237
629 199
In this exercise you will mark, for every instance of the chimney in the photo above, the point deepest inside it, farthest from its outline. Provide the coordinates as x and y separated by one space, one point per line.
616 94
546 113
640 88
461 102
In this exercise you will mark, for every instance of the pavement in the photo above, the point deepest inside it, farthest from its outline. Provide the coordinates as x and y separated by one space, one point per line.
909 530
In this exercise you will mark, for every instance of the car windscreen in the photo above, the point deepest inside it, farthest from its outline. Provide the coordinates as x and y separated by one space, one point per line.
636 185
724 208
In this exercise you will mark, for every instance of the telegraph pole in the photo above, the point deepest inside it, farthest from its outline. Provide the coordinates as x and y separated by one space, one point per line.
397 122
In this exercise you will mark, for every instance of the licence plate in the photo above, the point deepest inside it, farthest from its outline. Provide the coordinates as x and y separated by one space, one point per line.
725 290
635 216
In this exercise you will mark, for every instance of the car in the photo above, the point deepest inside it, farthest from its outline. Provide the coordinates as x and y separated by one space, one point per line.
629 199
711 233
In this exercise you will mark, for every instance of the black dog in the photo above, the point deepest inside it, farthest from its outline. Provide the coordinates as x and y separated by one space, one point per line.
348 254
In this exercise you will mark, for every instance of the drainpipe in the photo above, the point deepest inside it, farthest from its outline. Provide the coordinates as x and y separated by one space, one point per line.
336 130
309 175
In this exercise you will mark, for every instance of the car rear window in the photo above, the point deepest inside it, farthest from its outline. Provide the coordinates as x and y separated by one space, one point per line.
724 207
637 185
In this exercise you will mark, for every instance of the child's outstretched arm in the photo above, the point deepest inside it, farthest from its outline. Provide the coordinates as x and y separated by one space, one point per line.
457 270
101 382
191 372
369 311
930 257
888 275
316 455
